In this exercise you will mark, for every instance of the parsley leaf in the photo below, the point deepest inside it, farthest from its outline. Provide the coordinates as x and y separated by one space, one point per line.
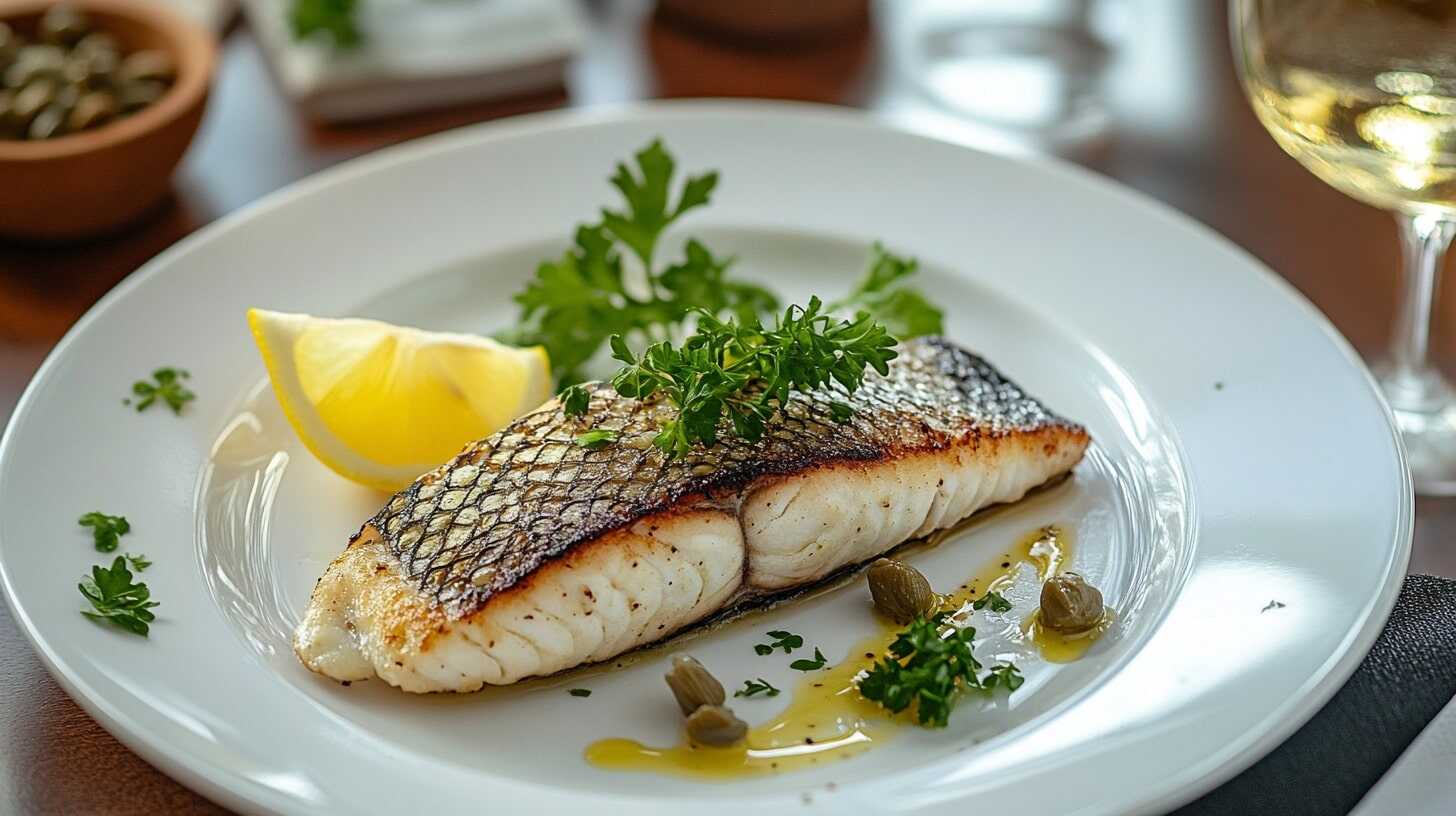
579 692
332 18
744 372
138 562
115 598
788 641
106 531
993 600
1005 675
699 281
577 302
805 665
903 311
167 387
574 400
599 438
647 194
753 688
929 664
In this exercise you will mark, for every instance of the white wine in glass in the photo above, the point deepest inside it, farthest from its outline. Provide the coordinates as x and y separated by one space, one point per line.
1363 94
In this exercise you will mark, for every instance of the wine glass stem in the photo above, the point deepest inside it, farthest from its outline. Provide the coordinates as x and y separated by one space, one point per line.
1411 384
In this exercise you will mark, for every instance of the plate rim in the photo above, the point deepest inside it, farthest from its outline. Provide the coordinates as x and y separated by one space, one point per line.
227 787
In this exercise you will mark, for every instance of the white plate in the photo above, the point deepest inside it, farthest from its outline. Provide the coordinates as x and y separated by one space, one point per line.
1242 456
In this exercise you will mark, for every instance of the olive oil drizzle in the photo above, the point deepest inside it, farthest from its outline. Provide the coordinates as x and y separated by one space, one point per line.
827 719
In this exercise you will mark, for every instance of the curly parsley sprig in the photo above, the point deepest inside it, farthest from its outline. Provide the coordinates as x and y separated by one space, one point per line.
746 372
929 665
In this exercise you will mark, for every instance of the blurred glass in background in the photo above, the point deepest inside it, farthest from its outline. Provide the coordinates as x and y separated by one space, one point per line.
1019 75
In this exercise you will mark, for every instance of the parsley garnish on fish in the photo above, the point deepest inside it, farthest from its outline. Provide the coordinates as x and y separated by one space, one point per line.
599 438
754 688
106 531
114 597
138 562
806 665
993 600
576 303
929 664
788 641
579 692
747 371
167 387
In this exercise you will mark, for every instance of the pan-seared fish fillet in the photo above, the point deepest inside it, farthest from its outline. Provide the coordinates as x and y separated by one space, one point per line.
528 554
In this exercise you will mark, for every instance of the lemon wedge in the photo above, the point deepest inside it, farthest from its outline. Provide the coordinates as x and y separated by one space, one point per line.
381 404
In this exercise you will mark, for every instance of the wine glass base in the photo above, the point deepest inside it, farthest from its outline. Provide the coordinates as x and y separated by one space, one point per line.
1425 414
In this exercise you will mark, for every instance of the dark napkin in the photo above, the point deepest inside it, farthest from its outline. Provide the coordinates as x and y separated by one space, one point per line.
1339 755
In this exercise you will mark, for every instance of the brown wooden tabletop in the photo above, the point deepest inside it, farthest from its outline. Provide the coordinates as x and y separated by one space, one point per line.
1181 133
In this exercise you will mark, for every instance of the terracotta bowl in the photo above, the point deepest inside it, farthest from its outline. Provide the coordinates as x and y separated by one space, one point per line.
99 180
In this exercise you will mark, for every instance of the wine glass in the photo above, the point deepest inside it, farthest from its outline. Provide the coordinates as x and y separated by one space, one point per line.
1363 94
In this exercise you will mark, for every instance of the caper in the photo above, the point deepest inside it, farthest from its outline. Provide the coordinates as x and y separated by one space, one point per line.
32 98
11 125
9 43
156 66
95 108
901 593
132 96
63 25
34 62
89 68
693 685
99 43
716 726
1069 604
67 96
49 123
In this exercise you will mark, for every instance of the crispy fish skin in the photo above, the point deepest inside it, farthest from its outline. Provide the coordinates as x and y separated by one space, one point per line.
528 554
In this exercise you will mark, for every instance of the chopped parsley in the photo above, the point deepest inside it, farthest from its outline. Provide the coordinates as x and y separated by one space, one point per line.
574 400
594 439
106 531
1004 674
138 562
755 688
993 600
115 598
167 387
930 663
806 665
1272 605
788 641
579 692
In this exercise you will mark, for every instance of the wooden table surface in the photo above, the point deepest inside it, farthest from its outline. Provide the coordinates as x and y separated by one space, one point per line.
1181 133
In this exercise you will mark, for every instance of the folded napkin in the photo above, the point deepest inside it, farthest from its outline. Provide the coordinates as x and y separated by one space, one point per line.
1329 764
